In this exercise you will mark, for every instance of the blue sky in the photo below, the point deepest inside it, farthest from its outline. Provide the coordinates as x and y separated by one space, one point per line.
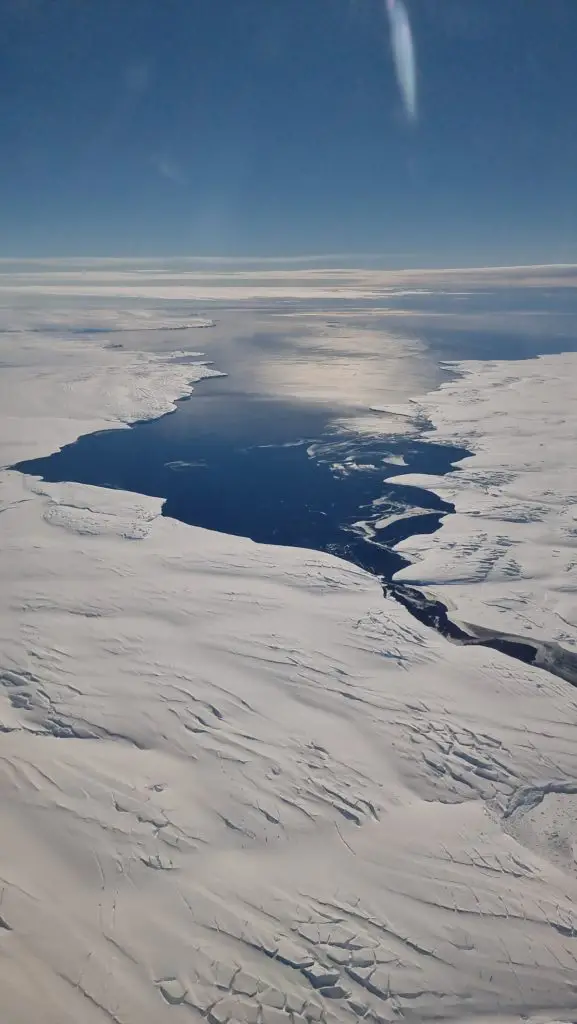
254 127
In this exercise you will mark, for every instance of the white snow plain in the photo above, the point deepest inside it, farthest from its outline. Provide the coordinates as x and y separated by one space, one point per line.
238 785
508 559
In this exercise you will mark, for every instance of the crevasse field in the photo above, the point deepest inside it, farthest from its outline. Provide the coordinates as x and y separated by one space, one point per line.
237 783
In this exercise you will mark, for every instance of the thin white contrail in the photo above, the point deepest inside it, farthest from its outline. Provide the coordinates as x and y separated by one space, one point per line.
403 54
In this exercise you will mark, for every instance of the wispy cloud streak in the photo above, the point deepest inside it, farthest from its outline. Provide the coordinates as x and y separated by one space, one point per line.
403 54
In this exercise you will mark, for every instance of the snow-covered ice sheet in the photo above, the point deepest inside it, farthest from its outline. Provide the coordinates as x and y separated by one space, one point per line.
234 782
54 387
232 777
508 559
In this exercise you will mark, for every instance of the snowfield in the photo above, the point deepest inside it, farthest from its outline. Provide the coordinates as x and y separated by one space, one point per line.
508 559
238 785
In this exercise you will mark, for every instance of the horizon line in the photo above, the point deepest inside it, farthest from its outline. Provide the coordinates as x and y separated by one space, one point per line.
311 258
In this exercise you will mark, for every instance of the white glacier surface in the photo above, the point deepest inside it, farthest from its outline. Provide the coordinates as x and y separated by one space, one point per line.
238 785
508 559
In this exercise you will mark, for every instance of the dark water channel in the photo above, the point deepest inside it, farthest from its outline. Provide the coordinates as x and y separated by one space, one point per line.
273 471
281 473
